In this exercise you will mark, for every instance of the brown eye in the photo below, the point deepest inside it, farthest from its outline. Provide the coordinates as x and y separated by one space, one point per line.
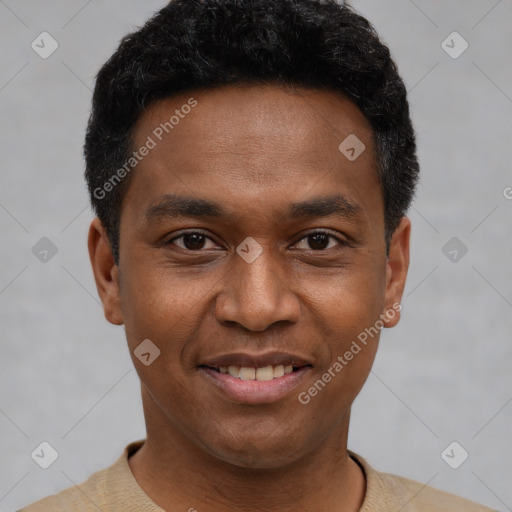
319 241
193 241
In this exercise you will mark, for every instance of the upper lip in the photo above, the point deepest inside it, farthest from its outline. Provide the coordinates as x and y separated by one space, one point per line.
255 360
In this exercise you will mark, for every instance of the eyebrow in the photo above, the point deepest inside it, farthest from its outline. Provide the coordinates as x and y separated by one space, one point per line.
174 206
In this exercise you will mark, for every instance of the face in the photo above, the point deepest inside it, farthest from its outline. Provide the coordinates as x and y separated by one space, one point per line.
252 255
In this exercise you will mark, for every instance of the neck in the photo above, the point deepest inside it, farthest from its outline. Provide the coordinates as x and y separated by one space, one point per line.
177 473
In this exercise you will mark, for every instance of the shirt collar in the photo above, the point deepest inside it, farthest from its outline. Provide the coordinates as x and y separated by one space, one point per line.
120 482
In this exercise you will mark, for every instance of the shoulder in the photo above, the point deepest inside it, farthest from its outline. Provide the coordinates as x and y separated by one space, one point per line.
387 492
114 484
415 496
88 496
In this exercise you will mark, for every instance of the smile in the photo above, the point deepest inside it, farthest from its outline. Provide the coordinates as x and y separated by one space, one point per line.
262 374
255 380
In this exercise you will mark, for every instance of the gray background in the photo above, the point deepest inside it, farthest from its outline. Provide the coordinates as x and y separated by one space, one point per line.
442 375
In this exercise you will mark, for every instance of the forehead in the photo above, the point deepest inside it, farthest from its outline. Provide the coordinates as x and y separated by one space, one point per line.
258 143
268 112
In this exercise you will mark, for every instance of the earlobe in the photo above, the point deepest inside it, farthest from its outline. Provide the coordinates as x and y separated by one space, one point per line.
396 272
106 272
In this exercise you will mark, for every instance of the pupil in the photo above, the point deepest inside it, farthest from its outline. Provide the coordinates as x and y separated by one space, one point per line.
318 239
193 241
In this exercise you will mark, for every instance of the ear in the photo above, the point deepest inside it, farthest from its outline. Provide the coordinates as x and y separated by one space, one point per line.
396 272
106 272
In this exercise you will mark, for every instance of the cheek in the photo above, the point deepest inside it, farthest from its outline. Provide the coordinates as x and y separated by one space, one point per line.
347 310
349 345
348 301
157 303
169 311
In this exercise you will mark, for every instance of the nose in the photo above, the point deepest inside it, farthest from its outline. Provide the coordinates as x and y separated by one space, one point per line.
256 295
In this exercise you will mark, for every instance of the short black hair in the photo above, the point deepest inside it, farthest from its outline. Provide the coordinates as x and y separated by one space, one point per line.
203 44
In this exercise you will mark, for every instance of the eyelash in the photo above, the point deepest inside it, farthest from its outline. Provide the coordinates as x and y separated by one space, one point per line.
330 235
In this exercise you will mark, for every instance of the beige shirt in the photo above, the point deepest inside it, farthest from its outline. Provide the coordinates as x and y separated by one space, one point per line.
115 489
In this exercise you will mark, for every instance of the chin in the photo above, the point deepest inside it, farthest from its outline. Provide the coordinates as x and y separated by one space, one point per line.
252 458
264 450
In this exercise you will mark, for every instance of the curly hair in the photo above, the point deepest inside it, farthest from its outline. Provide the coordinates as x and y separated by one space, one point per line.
192 44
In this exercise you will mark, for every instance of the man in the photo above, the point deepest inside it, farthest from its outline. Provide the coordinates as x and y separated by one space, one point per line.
251 164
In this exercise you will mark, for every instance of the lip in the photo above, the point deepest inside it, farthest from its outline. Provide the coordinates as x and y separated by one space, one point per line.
255 391
256 360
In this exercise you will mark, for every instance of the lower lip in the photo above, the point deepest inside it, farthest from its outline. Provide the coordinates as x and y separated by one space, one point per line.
256 391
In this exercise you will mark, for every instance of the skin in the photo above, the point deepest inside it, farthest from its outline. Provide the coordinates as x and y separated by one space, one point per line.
254 150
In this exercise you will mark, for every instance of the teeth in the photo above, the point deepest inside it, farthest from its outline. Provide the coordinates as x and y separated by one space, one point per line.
266 373
262 374
278 371
247 373
234 371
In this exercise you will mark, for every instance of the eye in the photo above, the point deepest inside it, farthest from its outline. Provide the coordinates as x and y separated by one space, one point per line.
192 241
320 241
196 241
